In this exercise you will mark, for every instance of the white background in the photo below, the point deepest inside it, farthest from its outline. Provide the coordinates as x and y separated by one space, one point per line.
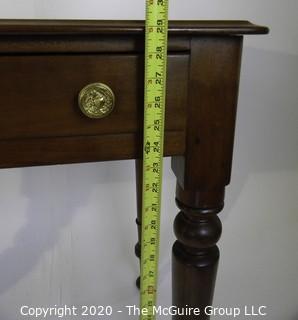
67 232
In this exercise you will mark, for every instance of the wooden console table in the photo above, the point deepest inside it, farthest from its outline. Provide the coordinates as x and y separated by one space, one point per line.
45 64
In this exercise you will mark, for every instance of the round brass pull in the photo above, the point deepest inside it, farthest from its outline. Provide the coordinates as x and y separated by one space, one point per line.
96 100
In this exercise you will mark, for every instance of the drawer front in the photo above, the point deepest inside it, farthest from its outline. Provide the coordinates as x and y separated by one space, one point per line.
39 94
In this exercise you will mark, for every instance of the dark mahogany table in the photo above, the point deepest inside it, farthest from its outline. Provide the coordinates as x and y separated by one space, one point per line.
44 65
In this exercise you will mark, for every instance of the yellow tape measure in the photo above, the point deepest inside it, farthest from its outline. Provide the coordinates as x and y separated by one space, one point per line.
156 34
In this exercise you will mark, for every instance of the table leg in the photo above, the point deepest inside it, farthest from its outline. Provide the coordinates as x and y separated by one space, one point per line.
195 254
205 169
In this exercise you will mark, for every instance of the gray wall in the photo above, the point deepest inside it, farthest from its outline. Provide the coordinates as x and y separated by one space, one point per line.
67 232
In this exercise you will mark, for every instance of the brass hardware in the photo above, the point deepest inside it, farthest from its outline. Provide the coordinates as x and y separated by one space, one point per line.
96 100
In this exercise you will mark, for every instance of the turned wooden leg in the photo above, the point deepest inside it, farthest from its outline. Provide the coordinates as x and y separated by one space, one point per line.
195 254
204 169
139 186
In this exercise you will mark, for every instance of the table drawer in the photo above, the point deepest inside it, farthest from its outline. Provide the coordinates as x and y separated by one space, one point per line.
39 94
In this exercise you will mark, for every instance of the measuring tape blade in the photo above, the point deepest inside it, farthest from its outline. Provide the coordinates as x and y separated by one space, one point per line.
156 39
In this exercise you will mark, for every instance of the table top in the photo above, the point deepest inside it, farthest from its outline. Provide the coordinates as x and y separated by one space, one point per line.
45 64
127 27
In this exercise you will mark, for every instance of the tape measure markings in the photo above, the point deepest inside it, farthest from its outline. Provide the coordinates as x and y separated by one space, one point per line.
154 113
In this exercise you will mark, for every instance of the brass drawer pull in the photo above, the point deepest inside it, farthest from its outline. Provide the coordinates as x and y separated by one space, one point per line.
96 100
